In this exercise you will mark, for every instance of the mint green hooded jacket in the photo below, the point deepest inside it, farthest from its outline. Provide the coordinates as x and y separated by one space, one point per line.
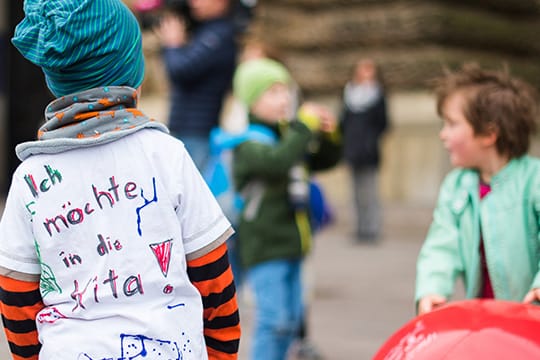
508 218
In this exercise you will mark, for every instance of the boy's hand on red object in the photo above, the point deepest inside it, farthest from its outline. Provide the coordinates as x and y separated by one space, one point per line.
533 295
429 303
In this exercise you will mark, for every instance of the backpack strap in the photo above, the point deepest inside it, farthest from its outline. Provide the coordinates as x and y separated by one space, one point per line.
221 140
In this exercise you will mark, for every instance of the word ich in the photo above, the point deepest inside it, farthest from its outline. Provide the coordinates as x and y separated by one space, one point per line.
44 186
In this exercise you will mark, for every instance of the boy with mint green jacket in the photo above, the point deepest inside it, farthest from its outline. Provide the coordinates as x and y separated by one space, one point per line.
485 227
512 211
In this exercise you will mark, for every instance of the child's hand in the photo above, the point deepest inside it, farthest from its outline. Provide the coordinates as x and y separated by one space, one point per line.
309 115
326 120
429 303
533 295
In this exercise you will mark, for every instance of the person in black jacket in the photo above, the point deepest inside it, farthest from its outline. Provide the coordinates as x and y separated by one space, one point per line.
200 64
363 122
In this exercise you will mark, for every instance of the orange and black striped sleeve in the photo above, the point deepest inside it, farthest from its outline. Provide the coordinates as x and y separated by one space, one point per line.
20 301
212 276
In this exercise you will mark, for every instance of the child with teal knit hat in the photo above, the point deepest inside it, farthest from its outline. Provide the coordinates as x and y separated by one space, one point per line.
81 44
110 242
274 231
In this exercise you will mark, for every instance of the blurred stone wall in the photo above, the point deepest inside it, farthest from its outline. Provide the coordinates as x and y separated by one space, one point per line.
321 39
412 41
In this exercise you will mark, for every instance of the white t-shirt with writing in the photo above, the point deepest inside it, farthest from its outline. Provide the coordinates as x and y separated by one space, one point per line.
108 229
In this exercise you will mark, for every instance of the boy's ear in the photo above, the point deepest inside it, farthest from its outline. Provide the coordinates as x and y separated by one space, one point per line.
489 138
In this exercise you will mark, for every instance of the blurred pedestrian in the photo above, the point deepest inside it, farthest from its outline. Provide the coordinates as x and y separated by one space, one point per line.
485 227
363 122
111 244
200 65
274 232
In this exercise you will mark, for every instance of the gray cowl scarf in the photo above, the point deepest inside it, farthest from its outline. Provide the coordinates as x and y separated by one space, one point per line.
89 118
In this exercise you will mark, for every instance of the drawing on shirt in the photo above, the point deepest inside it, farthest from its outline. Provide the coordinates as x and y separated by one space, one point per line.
134 347
146 202
162 252
47 281
50 316
32 212
175 306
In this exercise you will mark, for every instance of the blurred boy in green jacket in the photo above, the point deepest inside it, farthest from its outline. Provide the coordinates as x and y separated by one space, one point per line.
274 231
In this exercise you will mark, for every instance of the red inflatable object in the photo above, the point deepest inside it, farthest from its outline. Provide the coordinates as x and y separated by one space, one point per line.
467 330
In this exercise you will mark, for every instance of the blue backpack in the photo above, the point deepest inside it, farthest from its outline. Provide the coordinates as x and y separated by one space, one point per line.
218 174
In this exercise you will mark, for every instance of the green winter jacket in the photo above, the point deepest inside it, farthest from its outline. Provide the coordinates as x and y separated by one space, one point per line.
508 218
269 227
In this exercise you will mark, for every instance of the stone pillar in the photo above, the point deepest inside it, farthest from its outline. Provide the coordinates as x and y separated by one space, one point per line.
28 93
3 89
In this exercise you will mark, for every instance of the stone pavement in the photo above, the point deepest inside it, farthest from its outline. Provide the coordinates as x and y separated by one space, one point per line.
360 293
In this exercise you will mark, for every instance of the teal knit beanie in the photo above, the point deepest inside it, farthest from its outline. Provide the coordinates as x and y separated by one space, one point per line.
252 78
81 44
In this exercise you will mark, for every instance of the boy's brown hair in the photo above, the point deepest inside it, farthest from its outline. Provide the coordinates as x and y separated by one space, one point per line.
493 101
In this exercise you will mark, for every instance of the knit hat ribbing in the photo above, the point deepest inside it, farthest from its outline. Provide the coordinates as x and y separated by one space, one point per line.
81 44
252 78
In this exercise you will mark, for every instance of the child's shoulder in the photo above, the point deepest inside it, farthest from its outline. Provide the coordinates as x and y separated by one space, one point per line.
529 161
528 168
522 168
151 135
156 140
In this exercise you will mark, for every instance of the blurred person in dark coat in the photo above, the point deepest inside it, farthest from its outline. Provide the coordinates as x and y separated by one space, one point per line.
363 122
200 64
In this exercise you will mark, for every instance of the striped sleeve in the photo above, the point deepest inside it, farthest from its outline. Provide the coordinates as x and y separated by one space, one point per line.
212 276
20 301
